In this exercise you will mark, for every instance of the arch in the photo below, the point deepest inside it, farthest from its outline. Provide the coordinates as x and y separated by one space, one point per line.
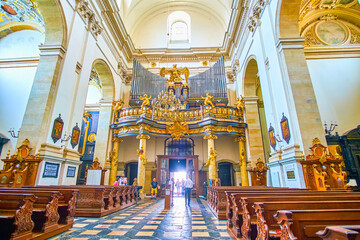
226 161
55 23
288 18
258 140
250 76
106 77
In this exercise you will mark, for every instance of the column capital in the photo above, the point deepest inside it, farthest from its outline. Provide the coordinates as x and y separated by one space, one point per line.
210 136
119 140
143 136
240 139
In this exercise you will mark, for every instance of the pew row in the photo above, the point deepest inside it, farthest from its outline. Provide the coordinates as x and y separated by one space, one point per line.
304 224
265 211
217 200
98 201
51 213
242 220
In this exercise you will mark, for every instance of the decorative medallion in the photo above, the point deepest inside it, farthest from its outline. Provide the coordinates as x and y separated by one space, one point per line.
57 129
177 129
331 32
285 128
75 136
272 140
92 137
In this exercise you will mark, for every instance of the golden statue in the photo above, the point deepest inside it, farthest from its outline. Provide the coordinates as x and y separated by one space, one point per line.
175 74
146 100
208 100
117 106
141 155
212 157
240 104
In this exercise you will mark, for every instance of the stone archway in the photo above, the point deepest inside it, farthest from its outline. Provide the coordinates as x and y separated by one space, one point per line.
103 136
305 113
37 117
255 137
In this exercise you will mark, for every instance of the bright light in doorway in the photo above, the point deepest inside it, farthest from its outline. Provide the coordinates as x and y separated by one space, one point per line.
179 175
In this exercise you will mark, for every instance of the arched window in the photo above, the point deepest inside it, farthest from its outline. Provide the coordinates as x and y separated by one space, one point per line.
182 147
179 28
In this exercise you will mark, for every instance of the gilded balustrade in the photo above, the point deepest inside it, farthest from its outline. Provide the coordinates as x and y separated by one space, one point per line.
186 115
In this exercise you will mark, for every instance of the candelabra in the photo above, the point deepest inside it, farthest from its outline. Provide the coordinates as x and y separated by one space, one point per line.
12 133
277 138
331 128
65 139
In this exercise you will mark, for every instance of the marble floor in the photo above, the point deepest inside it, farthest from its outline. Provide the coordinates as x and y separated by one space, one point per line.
149 220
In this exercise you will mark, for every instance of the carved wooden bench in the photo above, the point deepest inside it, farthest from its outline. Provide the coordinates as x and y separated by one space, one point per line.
303 224
216 197
15 215
243 213
340 233
265 211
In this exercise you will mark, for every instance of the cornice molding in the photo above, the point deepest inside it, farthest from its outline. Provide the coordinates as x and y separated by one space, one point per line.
331 52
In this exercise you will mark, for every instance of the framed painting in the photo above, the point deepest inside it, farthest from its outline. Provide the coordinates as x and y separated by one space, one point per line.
272 140
285 129
57 129
75 135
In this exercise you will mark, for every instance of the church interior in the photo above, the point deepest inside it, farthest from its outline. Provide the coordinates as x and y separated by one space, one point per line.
248 108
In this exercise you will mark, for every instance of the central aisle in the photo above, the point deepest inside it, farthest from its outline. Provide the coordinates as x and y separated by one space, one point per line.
149 220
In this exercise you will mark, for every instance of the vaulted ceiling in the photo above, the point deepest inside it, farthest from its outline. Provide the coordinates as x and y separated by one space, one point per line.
137 15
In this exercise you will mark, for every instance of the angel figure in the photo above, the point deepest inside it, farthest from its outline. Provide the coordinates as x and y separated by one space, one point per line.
141 155
175 74
240 104
117 106
146 100
208 100
212 157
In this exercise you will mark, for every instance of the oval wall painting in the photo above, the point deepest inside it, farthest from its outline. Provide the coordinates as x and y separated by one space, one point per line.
9 9
331 33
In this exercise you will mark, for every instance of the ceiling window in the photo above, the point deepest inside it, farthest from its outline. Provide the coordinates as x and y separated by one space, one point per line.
179 27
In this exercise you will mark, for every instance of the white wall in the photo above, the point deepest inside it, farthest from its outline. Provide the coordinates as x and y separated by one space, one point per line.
16 80
205 31
337 85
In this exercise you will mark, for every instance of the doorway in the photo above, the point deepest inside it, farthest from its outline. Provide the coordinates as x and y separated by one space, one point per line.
177 170
131 170
226 174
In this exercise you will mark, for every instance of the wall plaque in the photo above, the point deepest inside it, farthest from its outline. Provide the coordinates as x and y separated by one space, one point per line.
71 171
51 170
290 175
272 140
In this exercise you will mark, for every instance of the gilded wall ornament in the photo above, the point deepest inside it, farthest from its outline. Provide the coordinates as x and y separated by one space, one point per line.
177 129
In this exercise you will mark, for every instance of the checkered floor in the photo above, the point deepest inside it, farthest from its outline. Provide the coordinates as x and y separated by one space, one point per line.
149 220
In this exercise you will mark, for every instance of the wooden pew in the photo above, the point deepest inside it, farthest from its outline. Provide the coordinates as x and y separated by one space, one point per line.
244 214
45 209
66 205
97 200
303 224
217 200
340 233
15 215
266 224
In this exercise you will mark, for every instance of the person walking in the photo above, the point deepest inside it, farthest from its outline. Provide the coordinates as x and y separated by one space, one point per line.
182 186
177 184
172 189
154 187
188 185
